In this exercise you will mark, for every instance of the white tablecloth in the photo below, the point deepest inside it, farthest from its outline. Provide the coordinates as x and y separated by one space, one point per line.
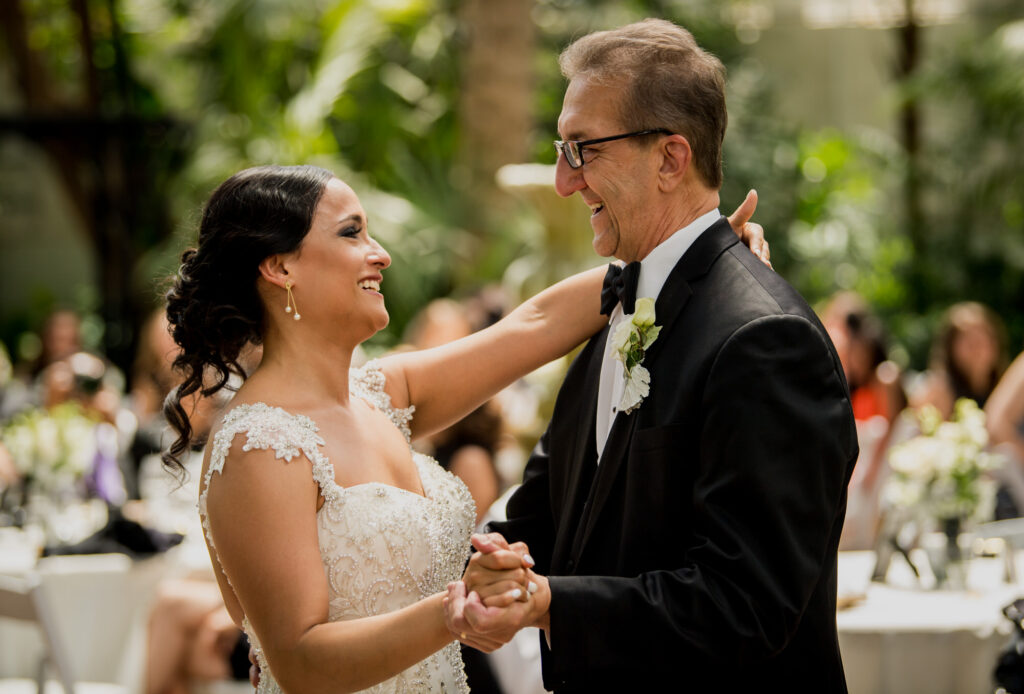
906 637
101 604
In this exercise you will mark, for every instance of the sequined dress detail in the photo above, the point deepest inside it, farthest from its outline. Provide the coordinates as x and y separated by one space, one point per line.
382 547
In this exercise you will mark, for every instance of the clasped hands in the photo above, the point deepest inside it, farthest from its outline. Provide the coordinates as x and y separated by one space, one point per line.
498 595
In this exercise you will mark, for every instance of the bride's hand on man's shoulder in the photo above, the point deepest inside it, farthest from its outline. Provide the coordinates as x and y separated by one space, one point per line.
750 233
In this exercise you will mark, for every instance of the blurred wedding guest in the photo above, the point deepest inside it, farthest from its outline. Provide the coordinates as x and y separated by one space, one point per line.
86 379
192 639
968 358
60 337
97 387
877 397
153 378
467 449
153 375
1004 412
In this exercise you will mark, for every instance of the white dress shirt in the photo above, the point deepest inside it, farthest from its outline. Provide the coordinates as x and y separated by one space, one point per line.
654 271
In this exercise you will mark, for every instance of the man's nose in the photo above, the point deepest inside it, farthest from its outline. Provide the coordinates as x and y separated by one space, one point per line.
567 179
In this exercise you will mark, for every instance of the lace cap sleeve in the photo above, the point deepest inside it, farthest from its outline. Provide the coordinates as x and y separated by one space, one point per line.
266 428
367 382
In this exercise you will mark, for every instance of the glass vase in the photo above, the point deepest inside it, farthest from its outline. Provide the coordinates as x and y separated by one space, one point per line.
949 565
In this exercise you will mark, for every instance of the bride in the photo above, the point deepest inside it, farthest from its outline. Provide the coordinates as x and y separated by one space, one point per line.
333 541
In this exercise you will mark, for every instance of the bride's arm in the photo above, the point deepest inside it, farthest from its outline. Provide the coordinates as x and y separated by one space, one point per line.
448 382
262 512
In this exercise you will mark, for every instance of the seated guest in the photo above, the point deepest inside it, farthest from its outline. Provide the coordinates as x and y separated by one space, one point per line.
191 638
60 337
153 376
968 358
877 397
96 386
467 448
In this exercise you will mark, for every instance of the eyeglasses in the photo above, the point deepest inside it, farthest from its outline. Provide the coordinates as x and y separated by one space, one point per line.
572 150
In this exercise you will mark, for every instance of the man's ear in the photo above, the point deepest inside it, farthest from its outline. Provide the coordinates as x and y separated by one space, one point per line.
274 270
676 157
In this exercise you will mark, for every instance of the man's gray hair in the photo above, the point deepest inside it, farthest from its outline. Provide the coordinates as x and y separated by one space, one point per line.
669 82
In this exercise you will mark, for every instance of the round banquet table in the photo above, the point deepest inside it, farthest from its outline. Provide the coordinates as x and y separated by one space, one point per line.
904 636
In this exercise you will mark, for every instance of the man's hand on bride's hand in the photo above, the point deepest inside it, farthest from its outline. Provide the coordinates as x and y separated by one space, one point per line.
492 602
455 604
750 233
489 627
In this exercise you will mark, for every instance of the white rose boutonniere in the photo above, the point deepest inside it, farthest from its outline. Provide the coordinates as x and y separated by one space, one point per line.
630 343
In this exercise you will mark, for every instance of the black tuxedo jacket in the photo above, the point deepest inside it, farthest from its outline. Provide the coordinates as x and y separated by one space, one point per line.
701 551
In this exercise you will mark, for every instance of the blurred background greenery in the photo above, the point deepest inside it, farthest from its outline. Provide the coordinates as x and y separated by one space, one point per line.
885 138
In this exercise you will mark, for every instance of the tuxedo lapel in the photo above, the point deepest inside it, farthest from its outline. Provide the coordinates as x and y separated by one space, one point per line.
612 458
584 452
694 264
673 298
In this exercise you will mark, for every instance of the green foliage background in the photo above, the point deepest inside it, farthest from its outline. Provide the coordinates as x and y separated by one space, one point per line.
370 90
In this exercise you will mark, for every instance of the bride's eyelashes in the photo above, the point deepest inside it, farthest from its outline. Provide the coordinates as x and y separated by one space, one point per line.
350 232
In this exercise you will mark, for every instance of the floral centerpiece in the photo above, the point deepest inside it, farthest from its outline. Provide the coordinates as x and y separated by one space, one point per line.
942 472
51 449
940 478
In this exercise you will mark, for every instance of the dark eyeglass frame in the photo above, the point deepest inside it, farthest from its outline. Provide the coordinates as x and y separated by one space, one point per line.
575 158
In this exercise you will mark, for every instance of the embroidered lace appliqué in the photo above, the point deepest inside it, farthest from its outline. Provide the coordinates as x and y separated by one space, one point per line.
382 547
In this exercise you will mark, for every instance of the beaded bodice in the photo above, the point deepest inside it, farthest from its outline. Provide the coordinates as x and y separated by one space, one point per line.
382 547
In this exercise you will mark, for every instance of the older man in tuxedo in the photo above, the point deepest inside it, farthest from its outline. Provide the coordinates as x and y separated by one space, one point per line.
684 523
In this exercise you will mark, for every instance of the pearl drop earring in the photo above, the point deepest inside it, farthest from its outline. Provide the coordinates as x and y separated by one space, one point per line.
291 301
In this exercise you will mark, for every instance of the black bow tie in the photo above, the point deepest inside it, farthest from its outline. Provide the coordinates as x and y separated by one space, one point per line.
620 285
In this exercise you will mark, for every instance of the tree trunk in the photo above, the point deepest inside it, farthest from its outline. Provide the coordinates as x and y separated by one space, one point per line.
496 104
910 136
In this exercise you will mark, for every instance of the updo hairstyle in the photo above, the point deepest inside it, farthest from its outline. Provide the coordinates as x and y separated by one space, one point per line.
213 307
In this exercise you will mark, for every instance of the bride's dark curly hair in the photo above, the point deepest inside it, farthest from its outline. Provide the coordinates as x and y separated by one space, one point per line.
213 307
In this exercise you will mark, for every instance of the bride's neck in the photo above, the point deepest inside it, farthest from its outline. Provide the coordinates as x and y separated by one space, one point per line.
308 364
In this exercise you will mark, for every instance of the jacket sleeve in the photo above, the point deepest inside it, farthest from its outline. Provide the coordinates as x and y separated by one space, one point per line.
777 445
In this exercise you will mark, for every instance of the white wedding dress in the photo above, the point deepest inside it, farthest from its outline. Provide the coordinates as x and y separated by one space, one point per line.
382 547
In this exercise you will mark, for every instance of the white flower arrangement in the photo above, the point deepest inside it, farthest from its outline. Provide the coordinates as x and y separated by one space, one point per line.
942 472
51 448
630 342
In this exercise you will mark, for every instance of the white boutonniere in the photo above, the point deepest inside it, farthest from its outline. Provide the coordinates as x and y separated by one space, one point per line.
630 342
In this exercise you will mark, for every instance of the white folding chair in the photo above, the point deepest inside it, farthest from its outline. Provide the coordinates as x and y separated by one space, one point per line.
24 600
